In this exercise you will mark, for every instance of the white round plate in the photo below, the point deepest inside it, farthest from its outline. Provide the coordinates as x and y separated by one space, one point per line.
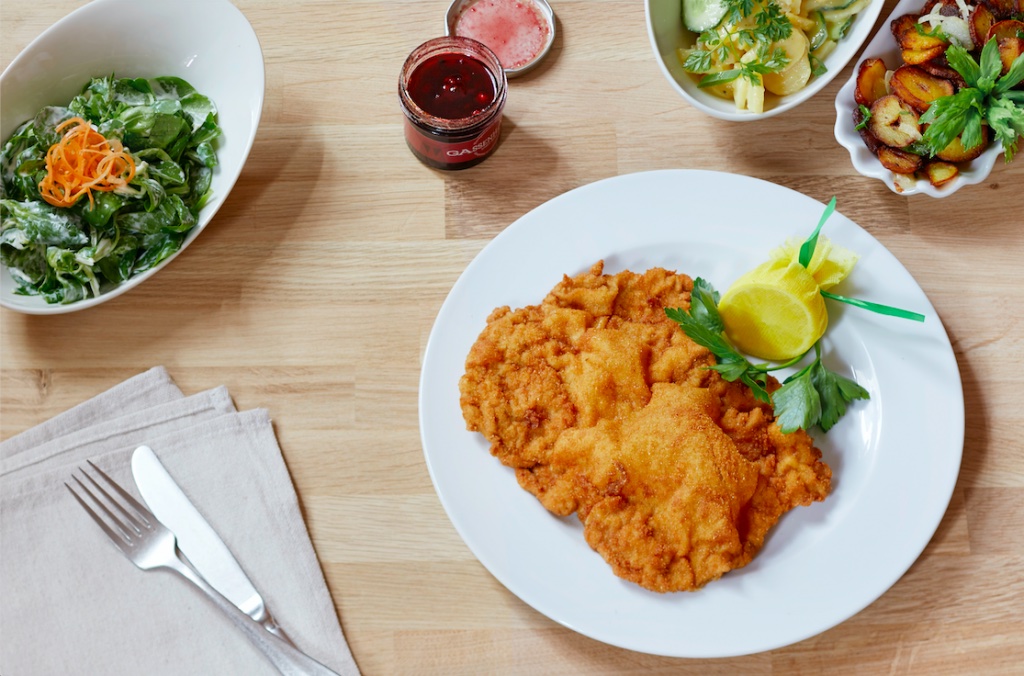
895 458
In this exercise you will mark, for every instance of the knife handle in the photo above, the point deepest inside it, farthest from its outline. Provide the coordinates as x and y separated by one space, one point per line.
288 659
271 625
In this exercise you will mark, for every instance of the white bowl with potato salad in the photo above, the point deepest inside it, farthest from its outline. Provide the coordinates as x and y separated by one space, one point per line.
739 60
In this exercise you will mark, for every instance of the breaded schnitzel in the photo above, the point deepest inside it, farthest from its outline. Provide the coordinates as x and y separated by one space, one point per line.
604 408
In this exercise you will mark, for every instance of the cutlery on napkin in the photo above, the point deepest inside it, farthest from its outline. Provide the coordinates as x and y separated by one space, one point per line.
70 603
197 539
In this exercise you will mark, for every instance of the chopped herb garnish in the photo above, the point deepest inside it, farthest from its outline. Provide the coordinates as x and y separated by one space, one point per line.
814 395
986 99
728 43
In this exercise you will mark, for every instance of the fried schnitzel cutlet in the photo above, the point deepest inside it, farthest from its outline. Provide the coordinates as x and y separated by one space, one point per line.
605 408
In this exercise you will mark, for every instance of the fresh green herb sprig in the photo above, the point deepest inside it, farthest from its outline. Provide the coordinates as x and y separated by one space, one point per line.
865 114
814 395
703 324
986 99
713 46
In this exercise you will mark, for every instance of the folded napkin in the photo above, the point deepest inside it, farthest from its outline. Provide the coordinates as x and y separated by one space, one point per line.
72 603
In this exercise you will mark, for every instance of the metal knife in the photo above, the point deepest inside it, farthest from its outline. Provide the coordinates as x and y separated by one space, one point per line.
196 538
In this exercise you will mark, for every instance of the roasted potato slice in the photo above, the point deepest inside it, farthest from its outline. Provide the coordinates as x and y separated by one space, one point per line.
893 122
916 56
1009 50
903 24
948 7
940 68
1010 28
917 37
980 22
917 88
955 151
870 82
1002 9
872 142
940 173
899 161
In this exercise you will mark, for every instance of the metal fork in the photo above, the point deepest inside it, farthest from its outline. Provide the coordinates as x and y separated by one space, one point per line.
149 544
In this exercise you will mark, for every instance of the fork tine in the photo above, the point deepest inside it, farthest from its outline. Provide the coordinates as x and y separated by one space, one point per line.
117 538
142 512
131 529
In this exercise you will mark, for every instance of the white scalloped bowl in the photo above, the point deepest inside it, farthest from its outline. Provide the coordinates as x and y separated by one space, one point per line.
209 43
667 34
884 46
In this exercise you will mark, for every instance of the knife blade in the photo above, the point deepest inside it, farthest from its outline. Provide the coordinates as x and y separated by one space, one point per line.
197 539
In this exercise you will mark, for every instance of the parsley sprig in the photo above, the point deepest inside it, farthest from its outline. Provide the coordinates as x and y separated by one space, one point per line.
986 99
727 43
703 324
814 395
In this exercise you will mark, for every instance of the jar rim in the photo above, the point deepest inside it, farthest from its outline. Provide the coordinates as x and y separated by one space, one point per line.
457 44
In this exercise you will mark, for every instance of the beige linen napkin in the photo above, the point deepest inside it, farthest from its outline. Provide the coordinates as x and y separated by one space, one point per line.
72 603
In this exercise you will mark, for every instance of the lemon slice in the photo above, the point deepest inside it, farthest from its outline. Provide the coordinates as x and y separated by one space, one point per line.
775 311
830 264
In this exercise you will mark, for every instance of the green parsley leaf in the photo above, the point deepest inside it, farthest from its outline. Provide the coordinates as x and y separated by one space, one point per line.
814 396
797 403
772 23
962 62
1013 77
836 392
1007 123
703 324
704 305
947 117
738 10
987 100
991 66
698 61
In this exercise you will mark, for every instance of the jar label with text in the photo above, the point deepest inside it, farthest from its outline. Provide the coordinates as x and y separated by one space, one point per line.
440 151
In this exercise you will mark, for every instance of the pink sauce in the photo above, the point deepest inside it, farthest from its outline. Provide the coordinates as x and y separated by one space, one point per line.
513 29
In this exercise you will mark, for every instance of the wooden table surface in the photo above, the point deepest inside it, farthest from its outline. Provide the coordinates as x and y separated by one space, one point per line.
334 351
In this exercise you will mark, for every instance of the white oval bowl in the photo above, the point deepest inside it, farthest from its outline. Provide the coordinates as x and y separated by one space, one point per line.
884 47
208 43
667 34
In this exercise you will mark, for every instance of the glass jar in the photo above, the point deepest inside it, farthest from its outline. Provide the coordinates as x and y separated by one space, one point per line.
452 90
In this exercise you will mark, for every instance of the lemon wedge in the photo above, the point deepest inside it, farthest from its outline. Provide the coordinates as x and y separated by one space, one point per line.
775 311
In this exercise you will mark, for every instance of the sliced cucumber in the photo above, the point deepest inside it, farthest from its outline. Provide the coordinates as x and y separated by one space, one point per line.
812 5
838 16
820 31
838 31
702 15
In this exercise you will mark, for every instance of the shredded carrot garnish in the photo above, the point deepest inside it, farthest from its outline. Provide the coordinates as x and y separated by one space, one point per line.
83 160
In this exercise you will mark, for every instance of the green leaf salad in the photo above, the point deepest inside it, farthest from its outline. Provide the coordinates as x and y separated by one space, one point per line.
66 254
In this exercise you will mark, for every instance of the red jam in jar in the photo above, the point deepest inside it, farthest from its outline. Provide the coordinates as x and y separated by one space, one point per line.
452 91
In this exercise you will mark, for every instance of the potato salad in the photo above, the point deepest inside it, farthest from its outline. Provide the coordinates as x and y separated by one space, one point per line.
746 48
